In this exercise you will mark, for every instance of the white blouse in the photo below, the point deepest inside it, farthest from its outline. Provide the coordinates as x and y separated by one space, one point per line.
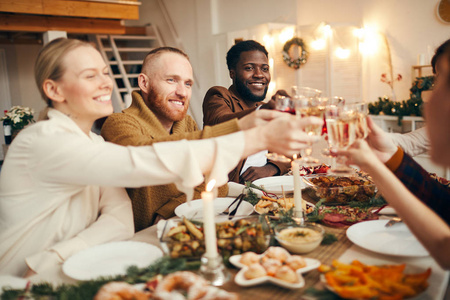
59 188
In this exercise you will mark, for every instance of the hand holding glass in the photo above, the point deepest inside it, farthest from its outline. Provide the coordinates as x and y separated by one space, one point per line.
345 124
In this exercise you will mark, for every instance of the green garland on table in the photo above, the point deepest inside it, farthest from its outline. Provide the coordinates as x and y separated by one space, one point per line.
410 107
88 289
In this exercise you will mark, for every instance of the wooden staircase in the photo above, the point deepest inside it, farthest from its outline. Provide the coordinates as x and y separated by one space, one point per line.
124 55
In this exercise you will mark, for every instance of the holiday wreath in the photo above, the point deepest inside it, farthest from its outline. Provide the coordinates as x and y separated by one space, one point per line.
295 62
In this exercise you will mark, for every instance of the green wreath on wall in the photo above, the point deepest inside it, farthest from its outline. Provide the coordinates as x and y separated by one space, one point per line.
297 62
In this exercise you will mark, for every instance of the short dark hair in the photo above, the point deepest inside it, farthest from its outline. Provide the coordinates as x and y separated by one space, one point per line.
234 53
441 50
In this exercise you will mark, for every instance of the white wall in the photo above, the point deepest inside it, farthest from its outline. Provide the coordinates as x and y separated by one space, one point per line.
411 27
20 60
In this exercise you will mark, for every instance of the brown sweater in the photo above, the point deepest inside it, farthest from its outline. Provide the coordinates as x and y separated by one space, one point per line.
220 105
137 126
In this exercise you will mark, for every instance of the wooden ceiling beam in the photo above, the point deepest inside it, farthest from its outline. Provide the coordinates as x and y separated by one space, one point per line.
32 23
73 8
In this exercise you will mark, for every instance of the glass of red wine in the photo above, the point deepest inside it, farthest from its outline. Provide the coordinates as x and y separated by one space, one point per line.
284 104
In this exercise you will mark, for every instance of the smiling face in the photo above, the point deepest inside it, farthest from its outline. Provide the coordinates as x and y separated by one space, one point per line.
167 87
84 90
251 76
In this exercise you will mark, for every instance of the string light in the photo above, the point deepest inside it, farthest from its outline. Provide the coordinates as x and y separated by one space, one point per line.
271 63
359 33
286 34
342 53
268 40
327 30
271 88
318 44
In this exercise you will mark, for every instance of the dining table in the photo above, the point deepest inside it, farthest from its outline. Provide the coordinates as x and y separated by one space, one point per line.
342 249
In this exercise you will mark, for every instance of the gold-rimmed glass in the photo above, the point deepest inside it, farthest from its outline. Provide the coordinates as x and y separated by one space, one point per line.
308 103
345 124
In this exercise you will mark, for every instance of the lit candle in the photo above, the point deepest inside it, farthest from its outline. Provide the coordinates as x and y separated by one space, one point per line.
298 201
209 225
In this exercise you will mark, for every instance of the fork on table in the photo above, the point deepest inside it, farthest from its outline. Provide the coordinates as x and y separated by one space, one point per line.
393 221
227 210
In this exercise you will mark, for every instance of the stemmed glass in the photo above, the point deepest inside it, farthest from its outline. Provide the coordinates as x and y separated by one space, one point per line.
345 124
334 101
284 104
308 103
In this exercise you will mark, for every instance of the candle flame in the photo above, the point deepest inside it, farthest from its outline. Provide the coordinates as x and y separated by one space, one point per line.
294 157
210 185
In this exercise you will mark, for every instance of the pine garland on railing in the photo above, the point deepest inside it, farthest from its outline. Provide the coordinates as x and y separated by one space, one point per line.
410 107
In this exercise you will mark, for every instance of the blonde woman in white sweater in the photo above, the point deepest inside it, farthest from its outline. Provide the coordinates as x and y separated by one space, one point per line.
60 184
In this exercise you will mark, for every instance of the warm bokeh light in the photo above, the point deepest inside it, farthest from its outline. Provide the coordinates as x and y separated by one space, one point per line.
318 44
286 34
271 88
358 32
271 63
268 40
342 53
327 30
210 185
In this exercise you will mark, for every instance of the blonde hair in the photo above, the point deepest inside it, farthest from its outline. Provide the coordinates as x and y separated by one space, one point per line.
153 55
49 64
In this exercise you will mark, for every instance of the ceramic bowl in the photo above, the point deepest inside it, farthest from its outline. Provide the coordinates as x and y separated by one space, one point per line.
299 239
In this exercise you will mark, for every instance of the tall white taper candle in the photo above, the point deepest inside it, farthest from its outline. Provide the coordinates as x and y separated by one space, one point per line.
298 201
209 225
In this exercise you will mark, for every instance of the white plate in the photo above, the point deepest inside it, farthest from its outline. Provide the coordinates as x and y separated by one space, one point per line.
273 184
13 282
195 207
110 259
396 240
240 279
387 210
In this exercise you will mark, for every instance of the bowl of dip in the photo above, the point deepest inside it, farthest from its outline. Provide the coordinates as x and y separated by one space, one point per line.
299 239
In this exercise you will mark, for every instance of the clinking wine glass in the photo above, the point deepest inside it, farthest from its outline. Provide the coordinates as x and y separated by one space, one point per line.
345 124
333 101
307 106
283 104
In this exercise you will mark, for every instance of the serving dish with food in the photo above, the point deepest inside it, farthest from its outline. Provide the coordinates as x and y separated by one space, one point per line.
186 238
359 281
273 206
276 265
341 190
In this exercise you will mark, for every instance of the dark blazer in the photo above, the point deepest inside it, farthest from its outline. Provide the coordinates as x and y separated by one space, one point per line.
220 105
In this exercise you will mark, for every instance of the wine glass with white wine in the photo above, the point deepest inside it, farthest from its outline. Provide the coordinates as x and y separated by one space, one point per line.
308 103
345 124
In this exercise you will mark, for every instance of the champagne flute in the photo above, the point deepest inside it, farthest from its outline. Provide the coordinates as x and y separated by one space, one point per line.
334 101
345 124
305 107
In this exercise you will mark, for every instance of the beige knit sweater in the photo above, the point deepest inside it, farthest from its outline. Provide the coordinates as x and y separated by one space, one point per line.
138 125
